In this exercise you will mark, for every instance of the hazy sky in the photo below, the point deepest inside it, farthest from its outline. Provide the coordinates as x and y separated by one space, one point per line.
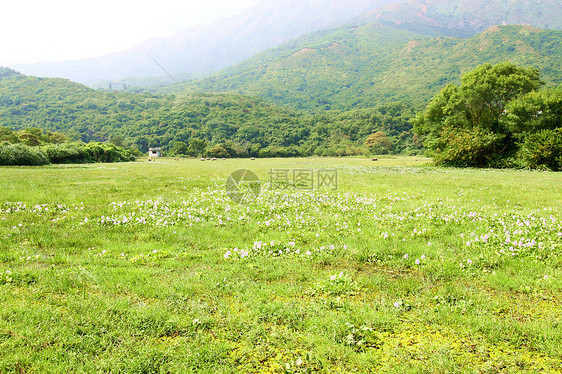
55 30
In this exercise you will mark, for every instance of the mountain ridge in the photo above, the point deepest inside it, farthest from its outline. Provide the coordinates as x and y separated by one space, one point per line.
198 52
465 18
358 65
209 48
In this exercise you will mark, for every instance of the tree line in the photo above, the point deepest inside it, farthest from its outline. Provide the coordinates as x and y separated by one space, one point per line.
499 116
196 124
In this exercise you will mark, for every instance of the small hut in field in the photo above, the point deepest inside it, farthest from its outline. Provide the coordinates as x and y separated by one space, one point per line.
154 152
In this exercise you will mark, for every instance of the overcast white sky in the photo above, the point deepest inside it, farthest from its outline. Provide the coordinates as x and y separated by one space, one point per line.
56 30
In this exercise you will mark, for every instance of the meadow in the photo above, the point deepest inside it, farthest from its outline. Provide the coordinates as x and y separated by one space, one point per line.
151 267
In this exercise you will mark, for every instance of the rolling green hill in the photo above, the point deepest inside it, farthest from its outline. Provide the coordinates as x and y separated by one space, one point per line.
141 120
371 64
242 125
63 106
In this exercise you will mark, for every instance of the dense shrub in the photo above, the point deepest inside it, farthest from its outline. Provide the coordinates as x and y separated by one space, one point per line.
20 154
543 149
107 152
68 153
468 147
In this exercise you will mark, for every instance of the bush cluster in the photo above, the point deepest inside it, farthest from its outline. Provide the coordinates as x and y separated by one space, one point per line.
21 154
543 149
66 153
107 152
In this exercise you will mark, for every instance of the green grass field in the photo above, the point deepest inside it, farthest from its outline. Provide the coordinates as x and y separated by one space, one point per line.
150 267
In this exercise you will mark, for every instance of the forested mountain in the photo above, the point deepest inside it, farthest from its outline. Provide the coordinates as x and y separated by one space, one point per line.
209 48
239 125
370 64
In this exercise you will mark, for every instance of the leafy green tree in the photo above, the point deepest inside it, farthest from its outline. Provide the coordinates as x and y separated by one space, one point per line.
534 111
21 154
56 138
471 115
486 90
28 138
237 148
218 152
7 72
536 122
118 140
107 152
466 147
197 147
6 135
141 143
178 148
378 143
69 153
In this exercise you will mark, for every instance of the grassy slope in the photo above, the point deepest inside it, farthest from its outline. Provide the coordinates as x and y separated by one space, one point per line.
361 66
99 298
